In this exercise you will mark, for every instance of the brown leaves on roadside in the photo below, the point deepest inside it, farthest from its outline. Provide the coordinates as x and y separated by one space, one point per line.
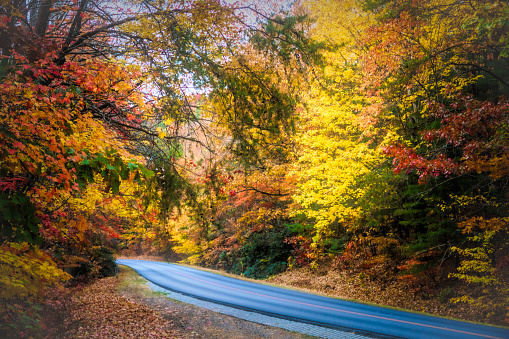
101 313
392 292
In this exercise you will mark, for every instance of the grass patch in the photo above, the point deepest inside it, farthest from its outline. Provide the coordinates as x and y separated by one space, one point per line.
131 282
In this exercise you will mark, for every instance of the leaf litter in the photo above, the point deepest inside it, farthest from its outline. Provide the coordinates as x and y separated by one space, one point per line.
125 307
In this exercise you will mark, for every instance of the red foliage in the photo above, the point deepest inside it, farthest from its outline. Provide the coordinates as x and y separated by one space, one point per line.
476 128
302 249
11 184
407 160
471 124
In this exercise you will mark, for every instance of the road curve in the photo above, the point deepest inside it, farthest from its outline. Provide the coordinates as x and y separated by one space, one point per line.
305 307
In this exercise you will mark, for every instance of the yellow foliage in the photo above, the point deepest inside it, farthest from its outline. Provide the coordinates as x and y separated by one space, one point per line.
332 159
492 224
497 167
478 269
182 234
334 138
26 271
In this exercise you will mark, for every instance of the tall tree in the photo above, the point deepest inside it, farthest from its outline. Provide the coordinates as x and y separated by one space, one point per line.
439 70
99 103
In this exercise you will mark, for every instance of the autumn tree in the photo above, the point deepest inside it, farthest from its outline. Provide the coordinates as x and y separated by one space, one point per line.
241 221
55 152
100 101
439 71
402 142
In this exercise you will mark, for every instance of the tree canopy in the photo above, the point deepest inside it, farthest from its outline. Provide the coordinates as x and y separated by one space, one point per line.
104 105
369 134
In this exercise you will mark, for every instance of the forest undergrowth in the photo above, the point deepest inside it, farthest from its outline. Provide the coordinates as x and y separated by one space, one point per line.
393 292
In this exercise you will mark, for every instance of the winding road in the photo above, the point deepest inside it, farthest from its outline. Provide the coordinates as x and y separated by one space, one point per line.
304 307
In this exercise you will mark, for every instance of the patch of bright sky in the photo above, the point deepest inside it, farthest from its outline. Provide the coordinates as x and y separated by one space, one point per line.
121 8
267 7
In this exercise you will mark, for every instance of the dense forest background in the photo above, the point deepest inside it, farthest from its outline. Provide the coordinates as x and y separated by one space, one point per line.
364 135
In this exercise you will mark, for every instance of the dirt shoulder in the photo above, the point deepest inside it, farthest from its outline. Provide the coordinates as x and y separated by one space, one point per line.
125 307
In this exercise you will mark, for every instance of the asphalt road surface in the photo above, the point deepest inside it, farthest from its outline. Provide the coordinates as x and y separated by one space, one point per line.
305 307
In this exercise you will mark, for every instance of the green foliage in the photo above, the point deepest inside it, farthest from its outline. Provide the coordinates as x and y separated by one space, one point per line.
262 255
285 38
94 262
112 169
18 219
104 257
300 227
